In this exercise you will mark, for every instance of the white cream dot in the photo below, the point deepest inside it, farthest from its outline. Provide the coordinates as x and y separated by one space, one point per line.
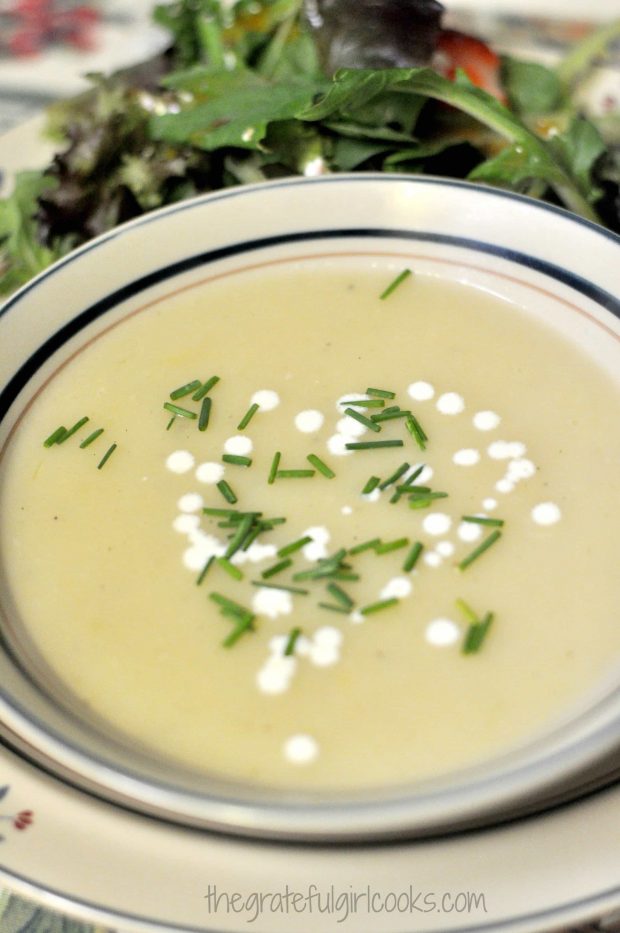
442 632
356 617
301 749
191 502
350 426
266 399
255 553
373 496
186 523
437 523
239 445
445 548
504 485
328 635
181 461
468 531
309 421
432 559
521 469
450 403
398 588
424 477
346 510
317 548
272 603
489 504
420 391
336 444
277 644
324 655
466 457
486 420
350 397
275 675
210 472
203 547
546 513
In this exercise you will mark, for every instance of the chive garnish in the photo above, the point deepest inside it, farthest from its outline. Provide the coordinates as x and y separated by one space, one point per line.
274 467
248 416
230 569
91 437
320 466
181 412
476 634
413 556
396 475
276 568
365 546
76 427
391 546
227 492
291 642
389 414
344 575
295 546
372 483
379 606
294 474
171 422
415 429
364 402
486 544
479 520
187 389
371 445
333 608
381 393
205 413
229 605
340 596
467 611
362 419
395 283
237 459
280 586
204 571
205 388
55 436
244 624
106 456
227 513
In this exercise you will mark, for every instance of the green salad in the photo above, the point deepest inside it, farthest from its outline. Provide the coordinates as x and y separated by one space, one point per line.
260 89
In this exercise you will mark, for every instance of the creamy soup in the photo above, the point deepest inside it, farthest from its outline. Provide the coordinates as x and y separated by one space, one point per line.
382 613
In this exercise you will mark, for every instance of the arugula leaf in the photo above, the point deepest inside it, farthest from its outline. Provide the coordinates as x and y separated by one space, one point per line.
532 89
231 108
578 149
21 254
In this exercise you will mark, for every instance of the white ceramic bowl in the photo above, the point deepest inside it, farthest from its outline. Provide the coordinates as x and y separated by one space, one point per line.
496 240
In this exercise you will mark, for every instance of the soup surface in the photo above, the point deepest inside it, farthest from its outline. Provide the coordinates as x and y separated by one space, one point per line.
483 611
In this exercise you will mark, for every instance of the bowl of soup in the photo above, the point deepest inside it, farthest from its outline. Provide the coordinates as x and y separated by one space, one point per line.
309 496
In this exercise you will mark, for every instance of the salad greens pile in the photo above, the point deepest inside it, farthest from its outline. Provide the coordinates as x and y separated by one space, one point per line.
246 92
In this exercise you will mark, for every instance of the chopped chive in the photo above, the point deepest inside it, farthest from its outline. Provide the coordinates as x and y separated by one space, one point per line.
372 483
413 488
389 414
295 546
421 500
274 467
171 422
364 402
381 393
55 436
333 608
479 520
379 606
205 413
230 569
396 475
320 466
391 546
245 624
276 568
365 546
362 419
76 427
416 431
237 459
229 605
268 523
345 575
294 474
204 571
251 537
106 456
226 513
492 538
370 445
467 611
248 416
280 586
476 634
205 388
340 596
187 389
227 492
413 556
395 283
291 642
181 412
91 437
